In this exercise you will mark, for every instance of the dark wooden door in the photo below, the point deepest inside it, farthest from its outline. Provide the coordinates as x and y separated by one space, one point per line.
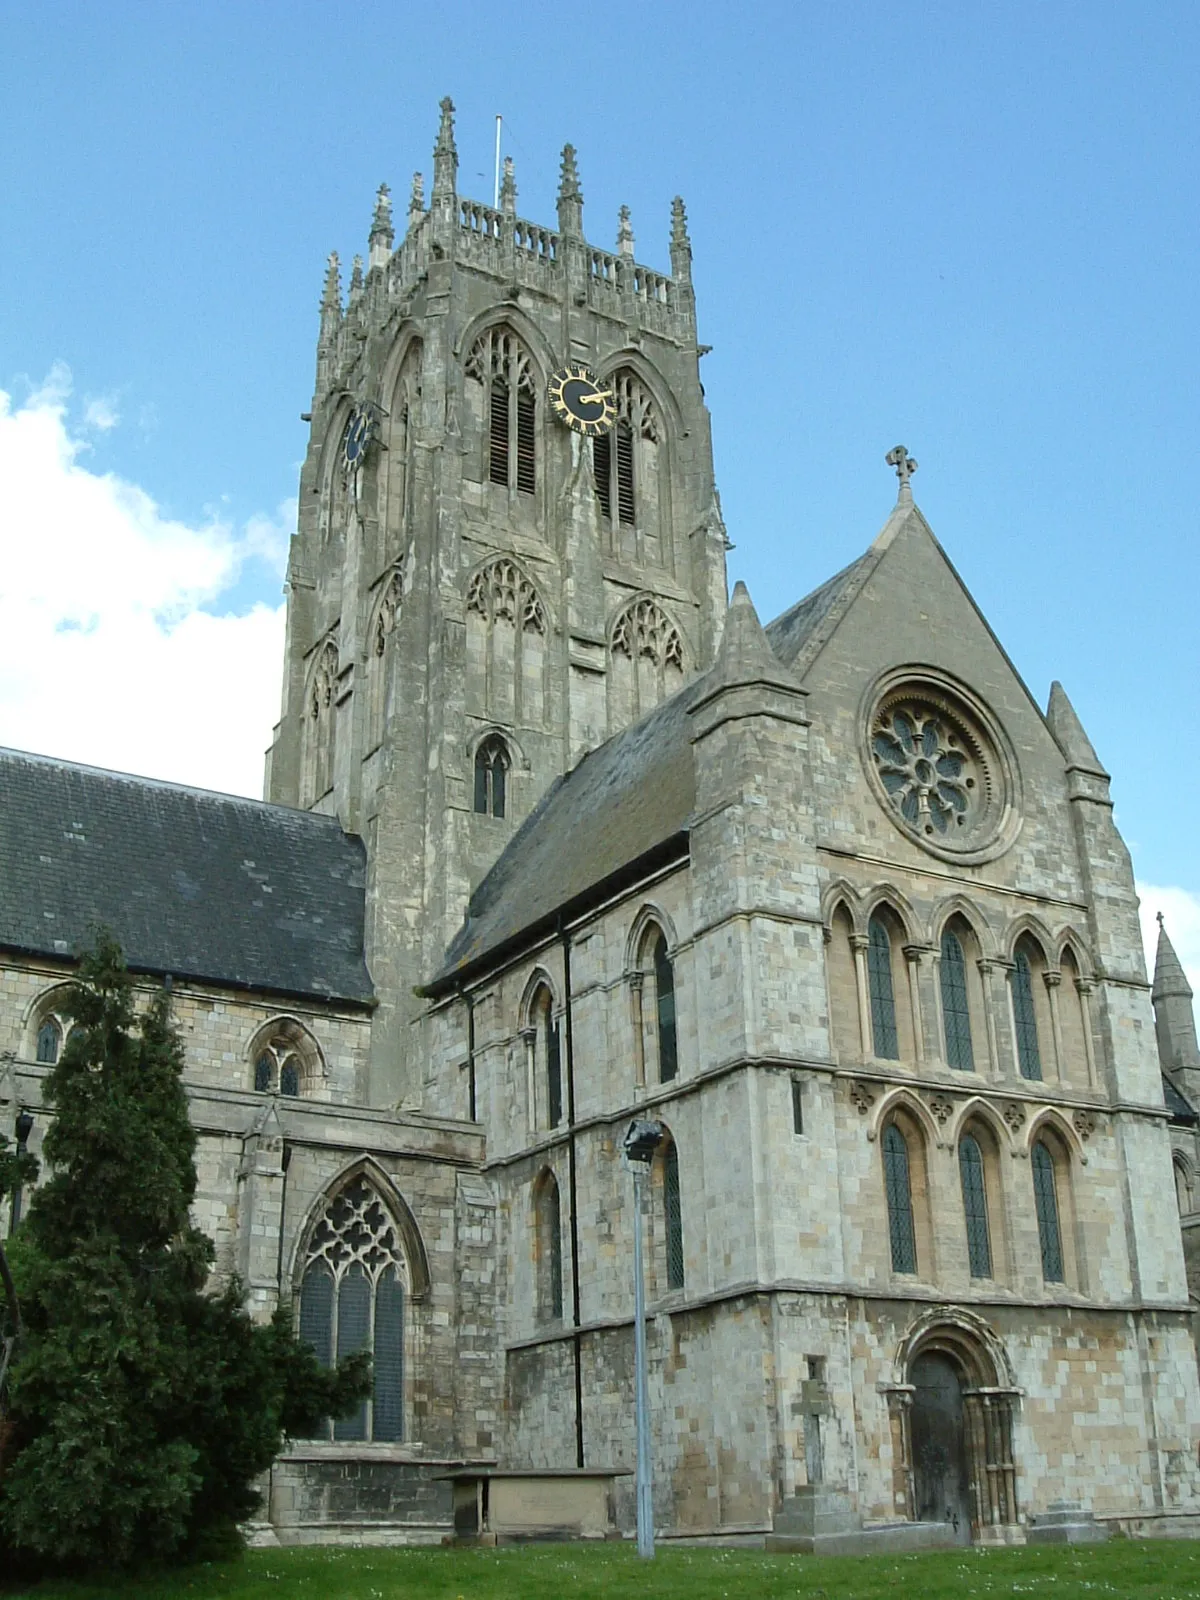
938 1446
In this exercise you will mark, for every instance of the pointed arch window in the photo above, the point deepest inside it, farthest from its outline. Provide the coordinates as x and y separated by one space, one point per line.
672 1217
503 369
352 1297
974 1193
49 1041
956 1010
491 777
625 464
1029 1053
287 1060
898 1189
1045 1197
320 726
664 1011
548 1045
549 1249
882 994
381 655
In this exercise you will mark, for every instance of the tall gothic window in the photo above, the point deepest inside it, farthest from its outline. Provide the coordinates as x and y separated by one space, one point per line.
352 1297
672 1216
664 1011
898 1189
506 646
1029 1053
380 657
491 776
883 996
1045 1197
548 1048
49 1041
974 1193
627 474
548 1220
646 652
956 1011
505 399
320 726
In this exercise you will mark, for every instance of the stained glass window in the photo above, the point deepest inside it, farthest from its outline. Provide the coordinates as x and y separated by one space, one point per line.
352 1297
974 1192
1045 1197
883 998
899 1200
289 1077
552 1044
1029 1055
956 1011
673 1218
664 997
262 1072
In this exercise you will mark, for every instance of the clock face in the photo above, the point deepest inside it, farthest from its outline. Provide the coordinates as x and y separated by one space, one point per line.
358 436
578 398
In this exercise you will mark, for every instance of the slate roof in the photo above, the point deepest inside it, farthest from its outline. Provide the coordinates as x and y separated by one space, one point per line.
1181 1110
203 886
626 803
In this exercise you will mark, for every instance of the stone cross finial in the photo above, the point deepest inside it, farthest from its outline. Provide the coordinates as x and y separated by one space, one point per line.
1159 917
905 467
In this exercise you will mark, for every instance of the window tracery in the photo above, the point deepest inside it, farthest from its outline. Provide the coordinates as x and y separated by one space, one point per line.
491 777
626 472
320 725
506 645
352 1297
647 655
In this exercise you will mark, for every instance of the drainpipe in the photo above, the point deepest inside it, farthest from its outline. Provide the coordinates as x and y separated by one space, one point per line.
572 1189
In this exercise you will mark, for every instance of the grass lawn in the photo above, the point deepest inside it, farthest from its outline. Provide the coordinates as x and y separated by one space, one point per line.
589 1572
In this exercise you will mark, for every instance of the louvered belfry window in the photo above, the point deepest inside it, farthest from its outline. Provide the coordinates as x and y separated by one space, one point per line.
500 364
974 1193
620 458
898 1188
883 998
956 1011
1045 1196
352 1297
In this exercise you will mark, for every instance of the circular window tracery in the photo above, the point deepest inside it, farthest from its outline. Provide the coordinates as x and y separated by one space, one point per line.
940 769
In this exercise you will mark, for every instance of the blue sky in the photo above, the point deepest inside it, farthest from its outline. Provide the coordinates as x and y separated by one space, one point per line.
971 229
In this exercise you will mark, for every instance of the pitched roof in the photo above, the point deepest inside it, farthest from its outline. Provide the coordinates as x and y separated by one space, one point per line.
1169 976
201 885
790 632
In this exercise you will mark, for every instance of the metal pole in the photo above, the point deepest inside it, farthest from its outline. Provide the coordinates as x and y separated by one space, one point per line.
496 188
645 1506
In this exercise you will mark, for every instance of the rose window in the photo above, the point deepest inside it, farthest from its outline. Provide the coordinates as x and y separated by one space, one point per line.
928 773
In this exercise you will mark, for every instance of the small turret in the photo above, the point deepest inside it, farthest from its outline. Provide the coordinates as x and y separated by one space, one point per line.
508 189
331 321
382 236
1174 1018
416 200
681 244
570 196
445 155
624 234
356 279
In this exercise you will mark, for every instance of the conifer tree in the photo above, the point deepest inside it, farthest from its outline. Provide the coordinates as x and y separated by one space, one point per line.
140 1407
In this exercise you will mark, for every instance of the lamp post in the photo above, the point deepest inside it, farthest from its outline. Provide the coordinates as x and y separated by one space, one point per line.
642 1139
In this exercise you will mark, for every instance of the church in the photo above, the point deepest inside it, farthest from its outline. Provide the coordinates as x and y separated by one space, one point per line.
556 836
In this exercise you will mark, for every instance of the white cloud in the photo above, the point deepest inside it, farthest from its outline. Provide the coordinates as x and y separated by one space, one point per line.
1181 915
113 647
101 413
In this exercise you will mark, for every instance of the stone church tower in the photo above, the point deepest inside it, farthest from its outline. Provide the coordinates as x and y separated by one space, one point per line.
478 595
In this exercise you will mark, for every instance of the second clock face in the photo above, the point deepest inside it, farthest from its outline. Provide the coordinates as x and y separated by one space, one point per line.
578 398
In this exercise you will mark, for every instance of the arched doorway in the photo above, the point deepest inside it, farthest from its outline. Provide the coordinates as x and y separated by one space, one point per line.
952 1402
941 1488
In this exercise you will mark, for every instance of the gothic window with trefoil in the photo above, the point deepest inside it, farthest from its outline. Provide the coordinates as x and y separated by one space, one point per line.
646 660
506 645
502 392
353 1294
